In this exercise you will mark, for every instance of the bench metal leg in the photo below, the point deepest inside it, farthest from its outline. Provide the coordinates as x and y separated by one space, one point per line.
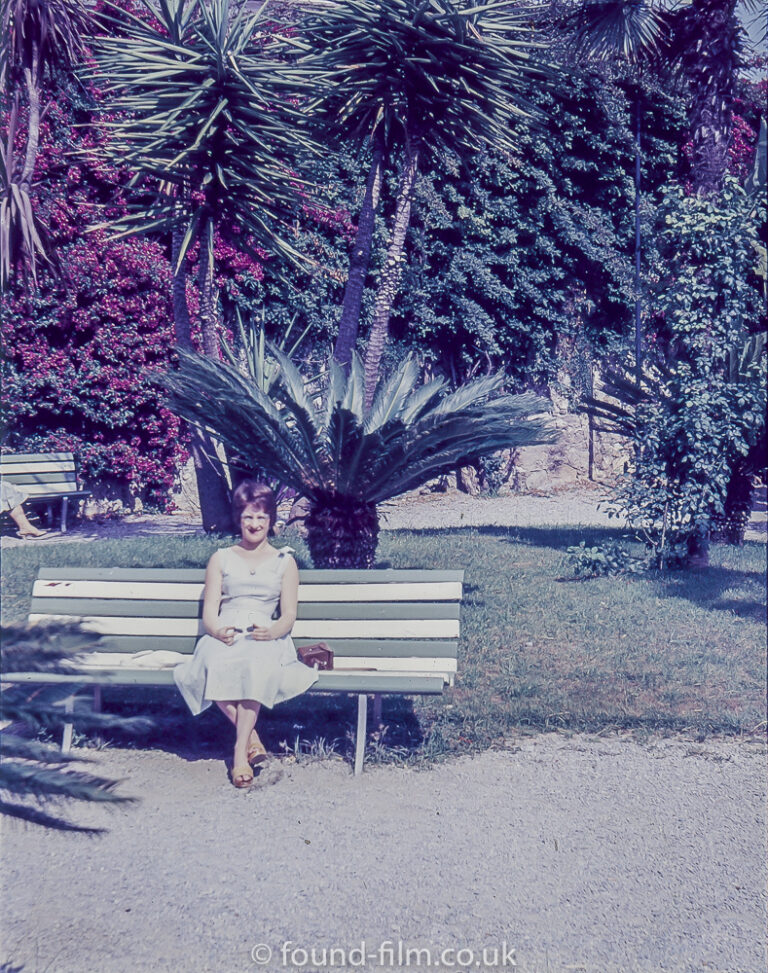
362 720
64 505
66 740
97 699
377 710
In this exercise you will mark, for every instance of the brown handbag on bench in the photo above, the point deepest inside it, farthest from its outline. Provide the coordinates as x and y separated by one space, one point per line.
316 655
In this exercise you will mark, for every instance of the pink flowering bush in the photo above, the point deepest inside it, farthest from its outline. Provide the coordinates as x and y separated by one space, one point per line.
78 352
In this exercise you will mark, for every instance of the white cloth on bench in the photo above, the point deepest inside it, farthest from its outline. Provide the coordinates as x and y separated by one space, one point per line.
160 659
268 672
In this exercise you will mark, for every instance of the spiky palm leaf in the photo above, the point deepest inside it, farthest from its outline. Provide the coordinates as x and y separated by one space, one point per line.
206 115
34 775
450 73
36 37
40 35
632 29
344 459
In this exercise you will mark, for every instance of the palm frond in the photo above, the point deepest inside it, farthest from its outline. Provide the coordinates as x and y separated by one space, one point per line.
334 451
633 29
198 95
452 74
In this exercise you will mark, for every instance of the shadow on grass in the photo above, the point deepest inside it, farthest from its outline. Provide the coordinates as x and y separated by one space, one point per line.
707 587
557 538
311 725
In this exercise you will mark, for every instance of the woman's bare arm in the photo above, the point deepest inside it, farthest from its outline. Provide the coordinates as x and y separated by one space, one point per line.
212 602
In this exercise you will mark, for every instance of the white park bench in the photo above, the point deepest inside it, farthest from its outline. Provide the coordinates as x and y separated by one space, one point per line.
391 631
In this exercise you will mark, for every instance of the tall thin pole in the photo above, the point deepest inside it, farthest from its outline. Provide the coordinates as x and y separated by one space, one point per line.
638 306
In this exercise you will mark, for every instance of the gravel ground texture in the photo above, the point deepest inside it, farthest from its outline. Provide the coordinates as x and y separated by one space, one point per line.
559 853
577 853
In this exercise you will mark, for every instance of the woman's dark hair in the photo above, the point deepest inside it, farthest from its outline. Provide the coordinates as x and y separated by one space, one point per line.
259 494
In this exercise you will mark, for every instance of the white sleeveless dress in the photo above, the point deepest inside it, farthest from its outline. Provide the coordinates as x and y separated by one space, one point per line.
268 672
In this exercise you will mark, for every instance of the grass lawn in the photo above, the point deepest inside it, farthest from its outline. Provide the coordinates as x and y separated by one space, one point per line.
681 652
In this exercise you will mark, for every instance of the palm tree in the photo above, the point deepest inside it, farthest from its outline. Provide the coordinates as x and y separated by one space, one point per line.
343 458
202 108
419 79
39 38
636 31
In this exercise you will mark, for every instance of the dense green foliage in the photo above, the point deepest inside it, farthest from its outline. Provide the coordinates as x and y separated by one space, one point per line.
694 419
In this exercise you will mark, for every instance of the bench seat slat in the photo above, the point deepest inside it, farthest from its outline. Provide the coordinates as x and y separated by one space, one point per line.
13 470
43 476
31 458
352 682
317 629
126 660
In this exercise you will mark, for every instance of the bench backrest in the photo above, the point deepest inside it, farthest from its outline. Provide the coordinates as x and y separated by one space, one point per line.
40 473
391 620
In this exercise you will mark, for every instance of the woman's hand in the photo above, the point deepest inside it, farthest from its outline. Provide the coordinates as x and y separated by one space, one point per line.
261 633
226 635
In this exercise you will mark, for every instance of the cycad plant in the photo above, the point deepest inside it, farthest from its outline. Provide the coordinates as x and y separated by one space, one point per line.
343 458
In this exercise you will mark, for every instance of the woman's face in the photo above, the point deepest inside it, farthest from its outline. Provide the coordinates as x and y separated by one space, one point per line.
254 524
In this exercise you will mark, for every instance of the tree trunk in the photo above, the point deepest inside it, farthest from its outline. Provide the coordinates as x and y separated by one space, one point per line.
392 272
181 323
698 548
31 78
349 322
207 294
711 64
731 525
212 489
342 533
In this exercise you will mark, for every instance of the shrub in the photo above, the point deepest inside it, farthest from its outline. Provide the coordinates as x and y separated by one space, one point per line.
76 351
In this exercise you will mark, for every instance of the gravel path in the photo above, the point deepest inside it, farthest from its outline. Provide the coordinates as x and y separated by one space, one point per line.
590 854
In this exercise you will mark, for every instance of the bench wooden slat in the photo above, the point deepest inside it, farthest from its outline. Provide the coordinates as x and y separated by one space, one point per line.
187 591
52 491
306 576
41 477
317 629
369 648
333 681
27 458
47 469
115 607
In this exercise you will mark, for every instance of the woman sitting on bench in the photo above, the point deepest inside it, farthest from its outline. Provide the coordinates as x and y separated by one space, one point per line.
247 659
